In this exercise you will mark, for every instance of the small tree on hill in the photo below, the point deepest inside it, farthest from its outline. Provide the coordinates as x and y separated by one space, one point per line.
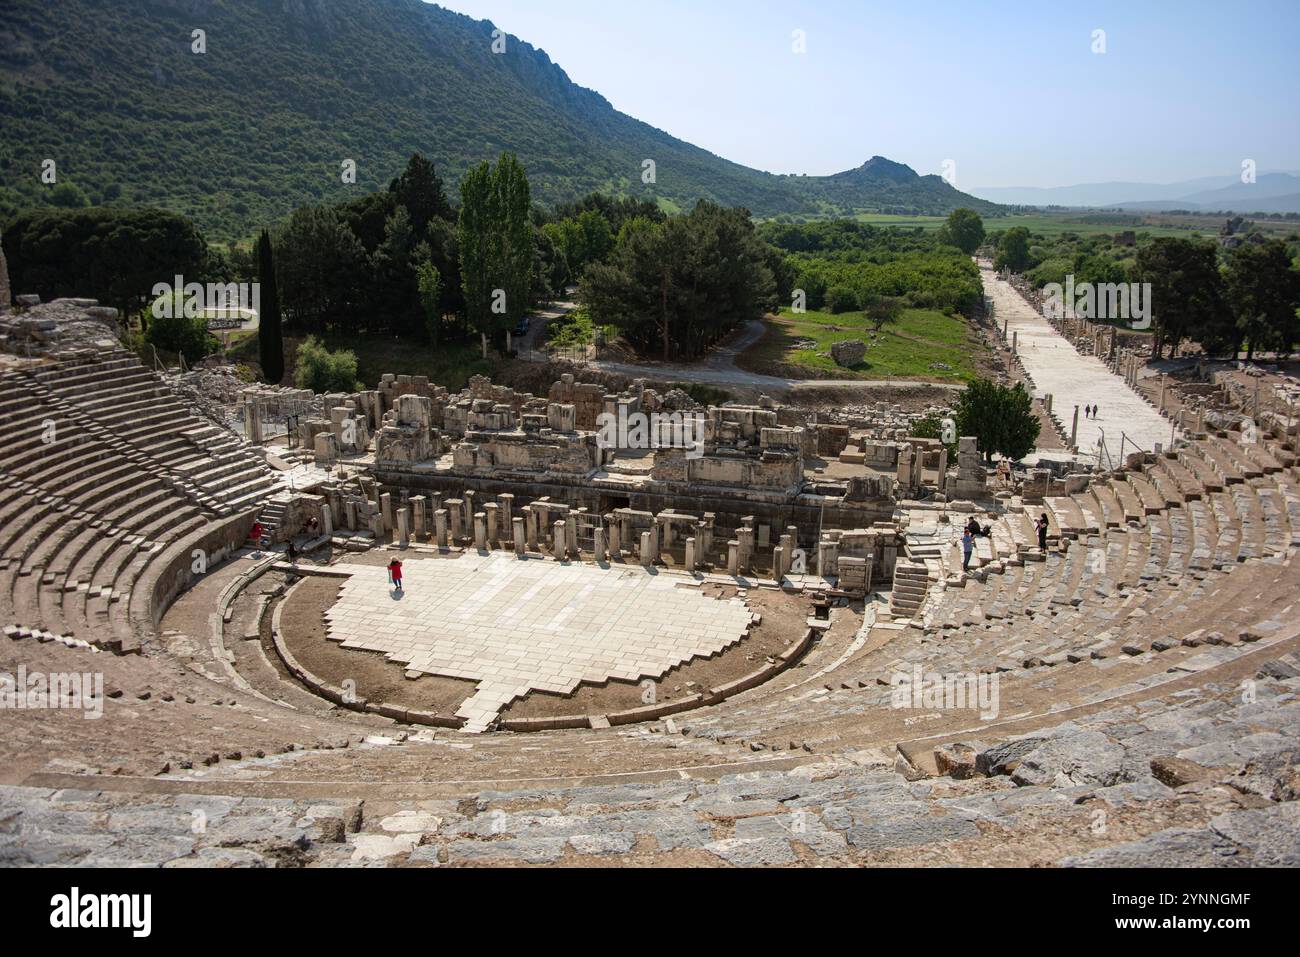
964 229
430 298
883 310
1001 418
1013 250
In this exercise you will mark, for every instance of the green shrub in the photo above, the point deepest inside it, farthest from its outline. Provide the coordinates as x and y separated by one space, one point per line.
187 336
320 370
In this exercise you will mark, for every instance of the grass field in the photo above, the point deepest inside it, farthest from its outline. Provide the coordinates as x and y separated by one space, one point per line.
1053 224
448 365
799 345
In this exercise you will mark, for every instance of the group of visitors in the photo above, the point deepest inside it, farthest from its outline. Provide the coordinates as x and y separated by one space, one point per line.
974 529
1090 411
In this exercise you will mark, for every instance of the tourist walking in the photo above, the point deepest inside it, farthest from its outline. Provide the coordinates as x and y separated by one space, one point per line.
1041 526
967 546
395 573
1094 411
1087 411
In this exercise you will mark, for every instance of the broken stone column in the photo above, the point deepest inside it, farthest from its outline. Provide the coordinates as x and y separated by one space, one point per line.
598 545
520 545
440 527
454 513
745 538
386 509
571 527
530 526
419 515
1074 429
778 563
943 468
480 532
252 416
733 558
560 540
326 521
828 553
506 500
787 551
403 528
615 539
647 550
692 561
490 509
377 526
350 514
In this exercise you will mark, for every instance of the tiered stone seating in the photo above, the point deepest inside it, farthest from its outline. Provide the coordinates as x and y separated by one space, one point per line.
84 514
137 412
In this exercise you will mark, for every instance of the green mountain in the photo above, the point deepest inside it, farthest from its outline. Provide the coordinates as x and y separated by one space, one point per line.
114 92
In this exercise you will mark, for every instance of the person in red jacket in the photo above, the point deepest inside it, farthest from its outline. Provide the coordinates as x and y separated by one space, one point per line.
395 573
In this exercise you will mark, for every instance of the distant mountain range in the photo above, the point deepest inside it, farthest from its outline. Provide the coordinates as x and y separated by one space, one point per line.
1270 193
260 122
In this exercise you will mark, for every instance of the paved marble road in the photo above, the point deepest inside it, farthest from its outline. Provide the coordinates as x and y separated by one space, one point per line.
1073 379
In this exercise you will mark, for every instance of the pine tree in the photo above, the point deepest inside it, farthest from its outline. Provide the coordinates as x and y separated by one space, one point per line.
270 338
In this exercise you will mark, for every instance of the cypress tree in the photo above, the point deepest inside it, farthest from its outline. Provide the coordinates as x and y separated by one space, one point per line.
270 339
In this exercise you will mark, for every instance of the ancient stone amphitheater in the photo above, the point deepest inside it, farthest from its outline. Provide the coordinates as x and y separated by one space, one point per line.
1129 693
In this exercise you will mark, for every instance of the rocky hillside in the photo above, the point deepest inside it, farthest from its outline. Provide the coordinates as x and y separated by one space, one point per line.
287 90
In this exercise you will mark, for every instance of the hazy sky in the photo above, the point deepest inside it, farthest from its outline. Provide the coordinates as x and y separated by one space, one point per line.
1010 91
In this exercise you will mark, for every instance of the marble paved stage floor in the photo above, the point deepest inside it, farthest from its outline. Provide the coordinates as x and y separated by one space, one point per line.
517 626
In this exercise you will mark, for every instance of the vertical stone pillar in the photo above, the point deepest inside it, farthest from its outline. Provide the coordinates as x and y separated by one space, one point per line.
647 549
572 529
326 521
559 540
506 500
598 545
420 516
377 526
828 553
403 528
943 467
787 550
1015 342
615 539
440 527
1163 378
733 558
480 531
470 501
386 508
745 538
692 560
1074 429
455 516
520 545
778 563
252 411
490 509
